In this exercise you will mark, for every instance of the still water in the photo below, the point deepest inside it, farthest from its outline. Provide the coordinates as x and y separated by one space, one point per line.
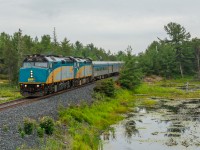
172 125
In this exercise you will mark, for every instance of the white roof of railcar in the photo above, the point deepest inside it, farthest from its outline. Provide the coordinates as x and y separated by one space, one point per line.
106 62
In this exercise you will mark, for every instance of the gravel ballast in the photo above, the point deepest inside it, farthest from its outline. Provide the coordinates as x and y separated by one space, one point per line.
10 138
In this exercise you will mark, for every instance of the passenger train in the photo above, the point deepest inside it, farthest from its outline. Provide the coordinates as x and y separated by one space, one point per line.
44 74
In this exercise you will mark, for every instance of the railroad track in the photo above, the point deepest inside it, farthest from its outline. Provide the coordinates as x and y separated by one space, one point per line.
23 101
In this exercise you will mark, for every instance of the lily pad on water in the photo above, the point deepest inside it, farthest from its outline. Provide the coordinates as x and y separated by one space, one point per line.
171 142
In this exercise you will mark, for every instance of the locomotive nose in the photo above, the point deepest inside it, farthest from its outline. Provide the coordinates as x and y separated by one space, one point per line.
33 75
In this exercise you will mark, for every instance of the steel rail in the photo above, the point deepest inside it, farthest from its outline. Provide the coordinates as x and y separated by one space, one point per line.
23 101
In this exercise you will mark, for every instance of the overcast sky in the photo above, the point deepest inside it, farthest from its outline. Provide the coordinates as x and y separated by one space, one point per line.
110 24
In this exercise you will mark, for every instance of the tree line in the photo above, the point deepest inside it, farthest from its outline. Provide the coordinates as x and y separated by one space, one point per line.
14 48
177 55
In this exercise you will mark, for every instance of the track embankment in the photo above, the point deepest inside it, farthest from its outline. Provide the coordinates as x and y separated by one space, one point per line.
12 118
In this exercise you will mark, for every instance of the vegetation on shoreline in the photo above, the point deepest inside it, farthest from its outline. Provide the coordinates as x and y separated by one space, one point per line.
87 122
80 126
171 89
8 92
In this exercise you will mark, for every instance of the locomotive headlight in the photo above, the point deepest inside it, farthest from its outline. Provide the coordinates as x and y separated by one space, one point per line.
31 73
25 85
38 85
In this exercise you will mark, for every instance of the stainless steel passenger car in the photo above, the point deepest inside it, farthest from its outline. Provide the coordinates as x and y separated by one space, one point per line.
103 69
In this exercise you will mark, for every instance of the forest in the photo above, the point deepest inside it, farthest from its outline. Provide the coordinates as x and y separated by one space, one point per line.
177 55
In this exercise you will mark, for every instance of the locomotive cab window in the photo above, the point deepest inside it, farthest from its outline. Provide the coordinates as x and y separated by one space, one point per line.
28 64
41 64
35 64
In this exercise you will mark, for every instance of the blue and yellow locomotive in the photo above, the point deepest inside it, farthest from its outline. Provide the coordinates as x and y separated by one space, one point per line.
43 74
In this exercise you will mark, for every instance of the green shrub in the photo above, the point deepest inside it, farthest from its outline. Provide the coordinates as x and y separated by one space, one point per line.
3 76
22 134
28 125
19 128
130 75
47 123
98 96
40 132
5 128
105 87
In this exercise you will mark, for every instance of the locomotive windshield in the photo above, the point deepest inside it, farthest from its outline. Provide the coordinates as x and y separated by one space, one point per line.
35 64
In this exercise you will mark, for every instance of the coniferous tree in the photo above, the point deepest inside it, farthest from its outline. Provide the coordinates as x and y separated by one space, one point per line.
178 35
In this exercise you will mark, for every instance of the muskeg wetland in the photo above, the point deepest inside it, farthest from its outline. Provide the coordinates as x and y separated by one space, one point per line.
157 114
165 117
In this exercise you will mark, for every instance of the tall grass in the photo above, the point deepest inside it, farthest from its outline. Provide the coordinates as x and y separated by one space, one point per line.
8 92
156 90
167 89
84 124
87 122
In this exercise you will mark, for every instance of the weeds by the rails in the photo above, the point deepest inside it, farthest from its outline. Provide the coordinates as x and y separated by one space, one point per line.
86 123
8 92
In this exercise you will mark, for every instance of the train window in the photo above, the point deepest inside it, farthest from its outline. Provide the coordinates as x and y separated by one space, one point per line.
41 64
50 65
28 64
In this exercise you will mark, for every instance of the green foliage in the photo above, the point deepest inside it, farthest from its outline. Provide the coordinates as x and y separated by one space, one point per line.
13 49
86 122
98 96
178 36
169 57
106 87
131 74
53 144
47 123
5 128
19 128
174 56
3 76
168 89
8 92
29 125
148 103
40 132
157 90
22 134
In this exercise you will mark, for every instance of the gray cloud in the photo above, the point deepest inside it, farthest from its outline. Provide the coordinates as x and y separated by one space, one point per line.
111 24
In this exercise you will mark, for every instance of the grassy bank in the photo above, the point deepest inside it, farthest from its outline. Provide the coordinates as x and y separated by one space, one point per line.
171 89
8 92
86 123
80 127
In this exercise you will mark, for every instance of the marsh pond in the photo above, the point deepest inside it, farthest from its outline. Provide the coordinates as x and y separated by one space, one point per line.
170 125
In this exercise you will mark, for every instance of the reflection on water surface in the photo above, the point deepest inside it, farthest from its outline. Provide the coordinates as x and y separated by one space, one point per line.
174 125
